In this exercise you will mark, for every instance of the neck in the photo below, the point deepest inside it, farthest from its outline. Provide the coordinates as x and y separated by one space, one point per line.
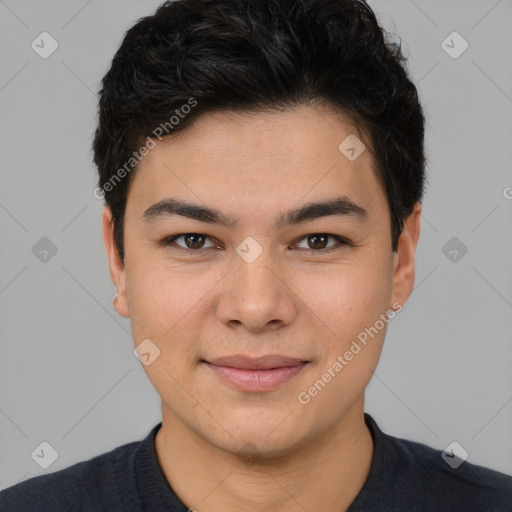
325 473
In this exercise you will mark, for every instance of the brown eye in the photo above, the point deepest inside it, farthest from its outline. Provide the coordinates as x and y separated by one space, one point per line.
319 241
192 242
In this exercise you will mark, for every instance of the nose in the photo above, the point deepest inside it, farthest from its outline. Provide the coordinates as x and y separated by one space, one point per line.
255 296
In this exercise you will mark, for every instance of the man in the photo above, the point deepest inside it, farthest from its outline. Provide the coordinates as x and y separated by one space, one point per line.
263 169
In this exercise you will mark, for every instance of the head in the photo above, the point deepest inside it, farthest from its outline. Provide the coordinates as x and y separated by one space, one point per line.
286 139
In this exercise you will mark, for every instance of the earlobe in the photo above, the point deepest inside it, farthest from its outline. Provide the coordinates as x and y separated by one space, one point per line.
116 265
404 258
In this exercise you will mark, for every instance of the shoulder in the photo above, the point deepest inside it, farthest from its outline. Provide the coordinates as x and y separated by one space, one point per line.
410 476
448 482
105 480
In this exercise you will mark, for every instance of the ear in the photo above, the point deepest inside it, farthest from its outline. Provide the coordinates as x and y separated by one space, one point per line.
117 269
404 258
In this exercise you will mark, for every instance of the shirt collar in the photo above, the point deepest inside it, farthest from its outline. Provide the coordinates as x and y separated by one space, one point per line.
156 493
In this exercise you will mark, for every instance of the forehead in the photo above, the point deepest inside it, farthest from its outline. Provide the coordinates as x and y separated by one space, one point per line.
265 159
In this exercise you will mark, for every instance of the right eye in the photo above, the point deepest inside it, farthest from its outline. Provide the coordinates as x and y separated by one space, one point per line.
194 242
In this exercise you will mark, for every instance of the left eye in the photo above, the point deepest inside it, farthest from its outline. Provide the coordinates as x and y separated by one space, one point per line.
194 242
319 241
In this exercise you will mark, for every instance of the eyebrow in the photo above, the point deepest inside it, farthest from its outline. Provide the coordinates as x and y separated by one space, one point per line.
339 206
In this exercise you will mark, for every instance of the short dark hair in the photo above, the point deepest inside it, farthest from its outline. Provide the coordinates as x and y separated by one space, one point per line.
255 55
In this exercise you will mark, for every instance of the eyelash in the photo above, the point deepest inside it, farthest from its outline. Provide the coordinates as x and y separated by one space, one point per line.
166 242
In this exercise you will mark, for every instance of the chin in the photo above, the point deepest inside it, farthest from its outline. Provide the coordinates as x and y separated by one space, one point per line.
257 437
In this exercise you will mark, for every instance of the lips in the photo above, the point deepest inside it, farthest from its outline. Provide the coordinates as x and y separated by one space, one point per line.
258 374
257 363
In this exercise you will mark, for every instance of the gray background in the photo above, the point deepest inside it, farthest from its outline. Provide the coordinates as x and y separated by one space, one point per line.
68 375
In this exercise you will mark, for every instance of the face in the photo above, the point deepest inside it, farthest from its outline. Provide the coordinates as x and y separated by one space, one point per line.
245 277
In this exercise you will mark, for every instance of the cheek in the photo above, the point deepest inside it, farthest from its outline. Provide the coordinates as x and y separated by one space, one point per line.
164 305
160 297
348 296
349 350
349 309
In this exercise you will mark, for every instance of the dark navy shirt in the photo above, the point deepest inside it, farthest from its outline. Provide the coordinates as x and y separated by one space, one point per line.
404 476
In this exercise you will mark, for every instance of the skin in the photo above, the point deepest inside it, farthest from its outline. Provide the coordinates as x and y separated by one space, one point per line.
222 449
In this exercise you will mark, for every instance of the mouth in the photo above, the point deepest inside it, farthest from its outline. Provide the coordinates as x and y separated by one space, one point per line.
256 374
